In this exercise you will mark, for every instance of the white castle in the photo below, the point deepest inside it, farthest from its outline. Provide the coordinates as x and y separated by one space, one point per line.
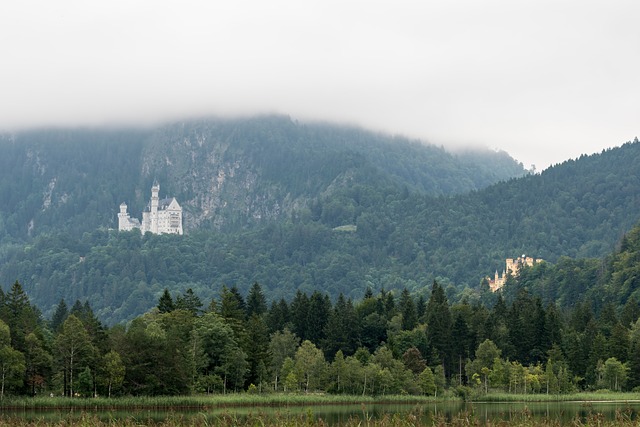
160 216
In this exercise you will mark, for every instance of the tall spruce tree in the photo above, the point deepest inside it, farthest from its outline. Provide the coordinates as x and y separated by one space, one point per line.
59 316
408 311
257 350
165 303
438 319
299 309
317 317
256 302
341 330
189 301
19 315
278 315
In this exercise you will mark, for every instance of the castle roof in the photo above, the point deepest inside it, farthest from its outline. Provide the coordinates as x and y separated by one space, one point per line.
162 204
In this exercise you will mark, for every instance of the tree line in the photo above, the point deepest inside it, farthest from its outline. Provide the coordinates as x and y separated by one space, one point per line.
365 232
388 342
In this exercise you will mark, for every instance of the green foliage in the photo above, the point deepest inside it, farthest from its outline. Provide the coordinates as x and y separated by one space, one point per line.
12 368
113 372
613 374
184 351
73 345
291 186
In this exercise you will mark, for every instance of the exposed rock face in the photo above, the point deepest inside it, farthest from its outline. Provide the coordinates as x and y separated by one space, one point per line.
225 173
218 181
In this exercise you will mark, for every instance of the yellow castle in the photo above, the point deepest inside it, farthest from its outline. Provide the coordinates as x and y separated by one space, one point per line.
512 267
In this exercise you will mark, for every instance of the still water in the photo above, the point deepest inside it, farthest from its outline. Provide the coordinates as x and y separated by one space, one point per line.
563 412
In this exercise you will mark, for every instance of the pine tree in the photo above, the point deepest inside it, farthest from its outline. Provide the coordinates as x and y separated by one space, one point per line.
317 317
189 301
59 316
341 330
20 316
231 305
257 350
165 303
299 310
438 322
256 302
278 315
421 307
630 312
408 310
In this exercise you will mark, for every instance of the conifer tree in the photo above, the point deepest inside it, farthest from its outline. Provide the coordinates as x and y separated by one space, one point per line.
256 302
317 317
438 319
19 315
165 303
38 363
299 310
278 315
189 301
258 357
59 316
341 330
408 310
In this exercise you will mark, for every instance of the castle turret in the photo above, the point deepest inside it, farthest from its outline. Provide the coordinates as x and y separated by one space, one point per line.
154 208
123 218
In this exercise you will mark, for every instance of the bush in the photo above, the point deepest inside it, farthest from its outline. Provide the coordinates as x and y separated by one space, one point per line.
464 392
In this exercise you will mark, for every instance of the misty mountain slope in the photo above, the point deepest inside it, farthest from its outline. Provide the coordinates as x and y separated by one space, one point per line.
227 174
65 179
243 171
580 208
395 238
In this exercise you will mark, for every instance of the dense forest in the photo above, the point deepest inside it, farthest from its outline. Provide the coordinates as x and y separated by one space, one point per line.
227 174
298 207
386 342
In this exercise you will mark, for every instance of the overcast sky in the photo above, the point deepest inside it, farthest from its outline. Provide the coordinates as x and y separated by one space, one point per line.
543 80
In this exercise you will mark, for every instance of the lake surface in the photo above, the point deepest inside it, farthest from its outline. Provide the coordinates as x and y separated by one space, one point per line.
564 412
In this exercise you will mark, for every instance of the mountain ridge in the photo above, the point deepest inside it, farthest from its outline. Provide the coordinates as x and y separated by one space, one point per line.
342 223
259 167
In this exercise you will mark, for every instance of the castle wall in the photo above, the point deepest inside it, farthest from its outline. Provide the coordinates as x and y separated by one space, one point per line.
161 217
512 265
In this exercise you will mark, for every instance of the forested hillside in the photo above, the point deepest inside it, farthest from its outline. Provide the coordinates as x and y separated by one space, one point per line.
227 174
355 215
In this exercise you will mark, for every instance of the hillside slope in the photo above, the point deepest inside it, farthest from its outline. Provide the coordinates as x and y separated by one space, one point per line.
227 174
352 225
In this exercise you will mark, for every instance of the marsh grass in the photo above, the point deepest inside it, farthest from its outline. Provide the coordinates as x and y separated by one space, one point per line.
203 401
575 397
463 419
283 400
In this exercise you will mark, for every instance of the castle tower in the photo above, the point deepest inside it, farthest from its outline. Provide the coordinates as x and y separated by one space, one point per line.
154 207
123 218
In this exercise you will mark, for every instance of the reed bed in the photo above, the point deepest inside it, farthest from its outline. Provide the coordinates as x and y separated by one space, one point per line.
204 401
574 397
283 400
307 420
